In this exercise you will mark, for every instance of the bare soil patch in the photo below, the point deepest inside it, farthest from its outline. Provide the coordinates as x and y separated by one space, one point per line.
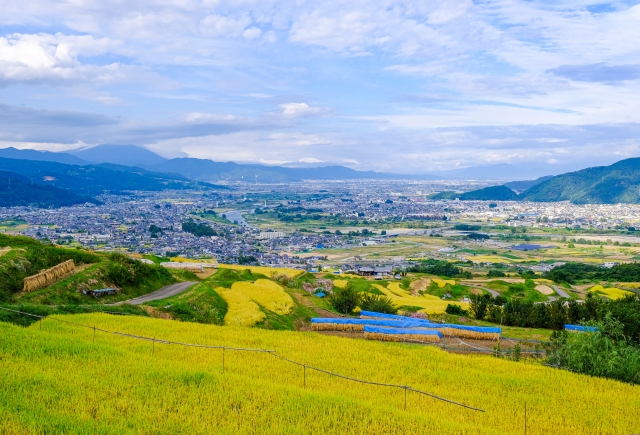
545 289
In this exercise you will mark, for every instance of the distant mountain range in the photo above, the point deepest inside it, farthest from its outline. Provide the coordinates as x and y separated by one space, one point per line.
128 155
210 171
617 183
90 180
117 168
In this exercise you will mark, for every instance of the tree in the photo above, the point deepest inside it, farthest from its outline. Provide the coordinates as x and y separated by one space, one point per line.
479 305
345 300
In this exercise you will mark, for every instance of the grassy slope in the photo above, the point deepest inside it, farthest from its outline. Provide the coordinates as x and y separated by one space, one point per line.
57 381
66 291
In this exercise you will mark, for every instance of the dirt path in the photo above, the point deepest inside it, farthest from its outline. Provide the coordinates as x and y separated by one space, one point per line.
319 311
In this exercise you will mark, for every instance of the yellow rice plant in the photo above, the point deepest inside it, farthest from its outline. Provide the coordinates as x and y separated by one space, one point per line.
442 282
58 380
336 327
430 304
242 311
395 288
423 338
267 271
610 292
266 293
340 283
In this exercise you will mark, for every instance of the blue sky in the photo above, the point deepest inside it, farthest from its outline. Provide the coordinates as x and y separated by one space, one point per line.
399 86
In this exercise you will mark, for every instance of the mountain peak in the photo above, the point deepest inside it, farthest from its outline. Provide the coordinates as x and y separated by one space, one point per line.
129 155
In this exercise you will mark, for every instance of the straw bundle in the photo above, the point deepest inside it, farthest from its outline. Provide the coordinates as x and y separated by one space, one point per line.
337 327
431 338
49 276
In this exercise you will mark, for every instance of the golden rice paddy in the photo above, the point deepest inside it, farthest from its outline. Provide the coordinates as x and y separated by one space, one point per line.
610 292
58 381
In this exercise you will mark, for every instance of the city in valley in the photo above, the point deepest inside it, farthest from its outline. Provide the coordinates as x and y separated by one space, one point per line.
338 224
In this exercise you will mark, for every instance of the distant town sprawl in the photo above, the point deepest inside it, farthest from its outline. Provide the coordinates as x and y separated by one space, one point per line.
381 223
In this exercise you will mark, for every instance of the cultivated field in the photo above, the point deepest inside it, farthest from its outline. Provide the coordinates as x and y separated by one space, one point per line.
58 381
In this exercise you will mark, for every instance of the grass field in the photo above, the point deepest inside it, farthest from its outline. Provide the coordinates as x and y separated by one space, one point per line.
58 381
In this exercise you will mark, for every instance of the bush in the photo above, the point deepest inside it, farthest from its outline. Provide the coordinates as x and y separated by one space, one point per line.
456 310
493 273
377 303
607 352
345 300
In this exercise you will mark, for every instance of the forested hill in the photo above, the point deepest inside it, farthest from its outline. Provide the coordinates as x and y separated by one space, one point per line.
618 183
93 180
15 190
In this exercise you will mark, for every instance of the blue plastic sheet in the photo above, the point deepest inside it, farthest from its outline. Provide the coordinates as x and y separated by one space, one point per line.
581 328
405 324
387 316
377 322
397 331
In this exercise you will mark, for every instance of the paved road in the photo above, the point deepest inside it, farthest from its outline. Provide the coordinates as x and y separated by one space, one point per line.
561 293
493 293
163 293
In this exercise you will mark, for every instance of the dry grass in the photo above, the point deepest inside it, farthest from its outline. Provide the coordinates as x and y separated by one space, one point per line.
545 290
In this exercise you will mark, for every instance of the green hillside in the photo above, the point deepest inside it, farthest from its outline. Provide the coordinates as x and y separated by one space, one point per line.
17 191
24 257
492 193
618 183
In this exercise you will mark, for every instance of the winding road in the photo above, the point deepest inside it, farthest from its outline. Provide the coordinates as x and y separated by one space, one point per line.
561 293
163 293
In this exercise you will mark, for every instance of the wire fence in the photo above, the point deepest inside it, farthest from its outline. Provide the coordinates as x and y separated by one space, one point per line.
468 348
95 329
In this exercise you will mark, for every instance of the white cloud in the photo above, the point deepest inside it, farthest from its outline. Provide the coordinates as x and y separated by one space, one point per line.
297 110
310 160
217 25
252 33
54 59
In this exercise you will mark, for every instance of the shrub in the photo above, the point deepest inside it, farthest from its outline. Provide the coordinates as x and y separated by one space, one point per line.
377 303
345 300
493 273
456 310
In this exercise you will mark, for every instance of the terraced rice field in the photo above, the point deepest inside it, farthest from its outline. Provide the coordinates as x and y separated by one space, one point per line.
610 292
442 282
267 271
58 381
242 311
267 294
428 303
340 283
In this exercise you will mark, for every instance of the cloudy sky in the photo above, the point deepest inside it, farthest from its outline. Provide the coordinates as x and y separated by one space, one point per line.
402 86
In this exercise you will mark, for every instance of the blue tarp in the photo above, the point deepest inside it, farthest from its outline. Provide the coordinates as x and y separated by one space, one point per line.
401 331
378 322
320 294
405 324
388 316
581 328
